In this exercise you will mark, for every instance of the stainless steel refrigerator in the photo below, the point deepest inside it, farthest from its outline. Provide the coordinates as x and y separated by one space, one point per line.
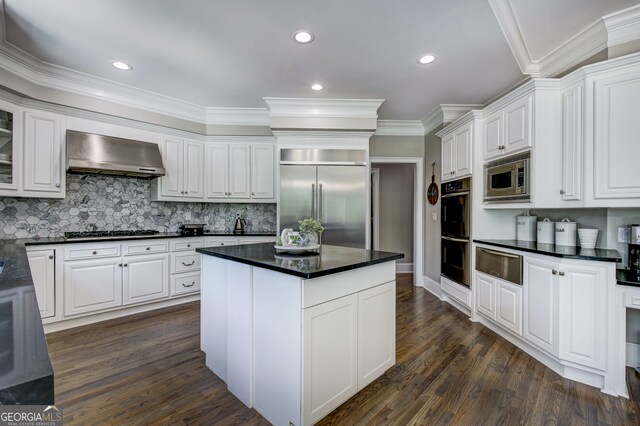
329 185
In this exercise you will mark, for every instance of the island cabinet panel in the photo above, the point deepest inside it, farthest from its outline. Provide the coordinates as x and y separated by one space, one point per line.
213 314
330 356
376 332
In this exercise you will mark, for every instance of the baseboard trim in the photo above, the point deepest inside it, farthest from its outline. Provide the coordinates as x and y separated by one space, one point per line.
632 355
432 287
404 268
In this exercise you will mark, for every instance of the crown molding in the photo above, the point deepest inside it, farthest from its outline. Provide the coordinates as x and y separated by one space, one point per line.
461 121
446 113
622 26
511 29
399 128
323 107
320 134
238 116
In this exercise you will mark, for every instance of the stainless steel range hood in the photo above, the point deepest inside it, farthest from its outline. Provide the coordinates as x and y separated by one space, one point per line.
98 154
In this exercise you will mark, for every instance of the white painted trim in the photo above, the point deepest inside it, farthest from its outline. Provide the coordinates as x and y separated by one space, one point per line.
623 26
323 108
238 116
375 173
404 268
418 206
446 113
400 128
632 355
432 287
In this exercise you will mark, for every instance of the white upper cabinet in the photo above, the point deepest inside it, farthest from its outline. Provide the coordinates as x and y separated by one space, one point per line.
457 152
572 141
263 160
217 164
508 130
9 149
616 128
184 170
172 158
43 153
239 170
193 169
493 140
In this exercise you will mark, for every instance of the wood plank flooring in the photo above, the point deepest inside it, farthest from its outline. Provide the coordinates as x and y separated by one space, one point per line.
148 369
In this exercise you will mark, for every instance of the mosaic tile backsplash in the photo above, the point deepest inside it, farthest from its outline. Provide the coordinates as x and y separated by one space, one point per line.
115 203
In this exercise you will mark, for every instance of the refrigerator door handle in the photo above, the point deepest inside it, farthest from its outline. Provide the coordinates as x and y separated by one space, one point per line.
320 202
313 200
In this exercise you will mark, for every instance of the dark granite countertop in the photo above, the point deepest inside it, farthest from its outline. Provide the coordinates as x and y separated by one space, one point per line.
26 374
62 240
330 259
628 277
597 254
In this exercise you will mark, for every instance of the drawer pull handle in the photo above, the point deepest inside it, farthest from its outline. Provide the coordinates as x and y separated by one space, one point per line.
120 265
95 252
189 264
148 248
188 245
188 285
221 244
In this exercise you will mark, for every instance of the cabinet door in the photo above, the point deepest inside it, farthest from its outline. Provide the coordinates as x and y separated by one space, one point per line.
10 150
92 285
220 242
463 150
43 170
145 278
509 306
486 295
541 304
616 130
517 125
263 171
239 170
376 332
583 324
493 136
217 171
448 167
572 111
330 356
42 265
193 169
173 159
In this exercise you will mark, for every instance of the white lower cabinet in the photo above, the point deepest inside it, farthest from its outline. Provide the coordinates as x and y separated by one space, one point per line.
42 265
145 278
486 295
500 301
331 375
92 285
185 283
541 303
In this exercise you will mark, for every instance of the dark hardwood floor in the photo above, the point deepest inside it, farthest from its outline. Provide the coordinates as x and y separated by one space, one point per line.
147 369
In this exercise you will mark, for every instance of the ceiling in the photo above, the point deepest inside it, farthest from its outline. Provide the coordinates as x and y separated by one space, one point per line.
233 53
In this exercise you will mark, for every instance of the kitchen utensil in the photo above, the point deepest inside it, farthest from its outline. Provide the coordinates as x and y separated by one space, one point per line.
240 225
432 191
192 229
546 231
566 233
588 238
526 228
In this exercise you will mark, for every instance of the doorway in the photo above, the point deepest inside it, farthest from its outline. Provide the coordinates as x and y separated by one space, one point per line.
396 210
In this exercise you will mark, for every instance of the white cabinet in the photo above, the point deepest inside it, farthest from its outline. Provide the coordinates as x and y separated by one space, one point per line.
616 128
10 149
239 171
330 334
92 285
541 303
457 153
508 130
263 159
376 332
572 142
485 295
43 153
217 157
509 306
583 321
42 265
145 278
220 241
184 170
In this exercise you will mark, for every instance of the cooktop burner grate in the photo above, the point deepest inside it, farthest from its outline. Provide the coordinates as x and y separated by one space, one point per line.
100 234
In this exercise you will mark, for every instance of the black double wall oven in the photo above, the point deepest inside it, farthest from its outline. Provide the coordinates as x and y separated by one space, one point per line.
456 231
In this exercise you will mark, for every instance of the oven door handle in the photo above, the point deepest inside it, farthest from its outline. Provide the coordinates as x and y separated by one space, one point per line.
459 240
455 194
499 253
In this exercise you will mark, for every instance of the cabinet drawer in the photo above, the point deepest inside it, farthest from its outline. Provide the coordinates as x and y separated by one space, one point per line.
632 301
187 262
220 241
145 247
81 251
185 283
186 244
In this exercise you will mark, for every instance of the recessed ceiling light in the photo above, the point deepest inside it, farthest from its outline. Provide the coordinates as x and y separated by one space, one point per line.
303 36
426 59
122 65
317 86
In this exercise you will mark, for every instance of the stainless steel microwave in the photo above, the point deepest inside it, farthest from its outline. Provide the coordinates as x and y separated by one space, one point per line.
507 180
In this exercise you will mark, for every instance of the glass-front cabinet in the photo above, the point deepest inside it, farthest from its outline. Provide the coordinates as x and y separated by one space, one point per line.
8 147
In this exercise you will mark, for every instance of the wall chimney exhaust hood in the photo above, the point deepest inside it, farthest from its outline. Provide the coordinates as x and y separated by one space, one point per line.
97 154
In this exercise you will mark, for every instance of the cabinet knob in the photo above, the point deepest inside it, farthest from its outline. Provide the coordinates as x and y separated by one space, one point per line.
554 272
561 273
57 185
253 193
188 245
95 252
148 248
51 257
221 244
126 264
453 173
120 265
562 192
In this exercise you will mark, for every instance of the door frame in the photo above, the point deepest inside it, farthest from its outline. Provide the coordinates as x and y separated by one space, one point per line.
375 238
418 209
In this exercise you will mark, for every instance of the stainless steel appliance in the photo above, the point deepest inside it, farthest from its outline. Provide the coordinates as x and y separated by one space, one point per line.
634 248
192 229
328 185
505 266
98 154
109 234
456 231
507 180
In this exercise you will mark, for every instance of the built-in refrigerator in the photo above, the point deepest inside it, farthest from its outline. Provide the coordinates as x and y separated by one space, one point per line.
329 185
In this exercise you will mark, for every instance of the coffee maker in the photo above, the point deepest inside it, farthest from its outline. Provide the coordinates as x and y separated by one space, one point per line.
634 248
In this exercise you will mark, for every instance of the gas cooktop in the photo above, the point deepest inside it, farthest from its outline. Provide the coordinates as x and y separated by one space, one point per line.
108 234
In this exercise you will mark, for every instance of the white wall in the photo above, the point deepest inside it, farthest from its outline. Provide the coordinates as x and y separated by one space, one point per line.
432 229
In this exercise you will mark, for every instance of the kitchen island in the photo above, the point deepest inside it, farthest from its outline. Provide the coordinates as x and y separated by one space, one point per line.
295 336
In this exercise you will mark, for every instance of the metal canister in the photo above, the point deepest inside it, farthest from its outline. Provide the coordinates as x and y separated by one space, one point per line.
546 231
566 233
